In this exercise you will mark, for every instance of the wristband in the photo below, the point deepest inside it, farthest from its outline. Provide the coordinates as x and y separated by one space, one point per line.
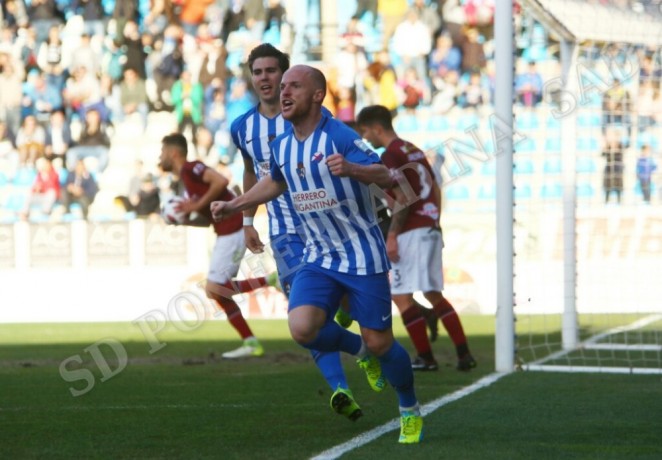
248 221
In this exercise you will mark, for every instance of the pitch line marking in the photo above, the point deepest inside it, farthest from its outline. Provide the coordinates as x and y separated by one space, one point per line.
369 436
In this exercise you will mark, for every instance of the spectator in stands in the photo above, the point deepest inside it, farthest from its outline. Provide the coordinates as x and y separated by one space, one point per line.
414 90
93 16
93 142
30 141
613 170
444 57
171 64
84 55
192 14
367 6
350 61
275 15
215 107
161 13
648 103
412 43
473 53
446 92
145 201
391 13
255 16
81 188
132 47
28 48
528 86
83 93
42 96
188 99
645 168
345 104
427 12
58 136
380 83
8 153
616 105
51 59
11 83
472 94
133 96
44 14
213 63
45 190
648 72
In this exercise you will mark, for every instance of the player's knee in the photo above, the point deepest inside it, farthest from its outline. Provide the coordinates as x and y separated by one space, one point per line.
303 334
378 342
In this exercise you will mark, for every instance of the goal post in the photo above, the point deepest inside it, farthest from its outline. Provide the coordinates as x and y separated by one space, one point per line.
576 289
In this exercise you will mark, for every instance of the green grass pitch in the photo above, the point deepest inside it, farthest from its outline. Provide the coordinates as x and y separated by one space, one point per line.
183 401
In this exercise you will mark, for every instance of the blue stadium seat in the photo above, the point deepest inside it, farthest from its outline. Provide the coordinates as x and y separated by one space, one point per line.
487 191
553 145
587 144
647 139
527 145
16 200
589 120
553 123
527 120
456 192
522 192
3 179
553 190
488 168
467 121
585 165
25 177
438 123
552 165
585 190
406 123
523 166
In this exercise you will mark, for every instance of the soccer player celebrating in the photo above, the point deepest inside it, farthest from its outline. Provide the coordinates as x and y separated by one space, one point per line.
252 133
414 242
203 185
327 168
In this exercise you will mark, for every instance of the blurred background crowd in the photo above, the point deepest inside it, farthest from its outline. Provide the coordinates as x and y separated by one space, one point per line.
89 87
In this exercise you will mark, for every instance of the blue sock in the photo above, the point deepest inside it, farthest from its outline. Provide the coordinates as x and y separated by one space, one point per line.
332 337
331 368
396 367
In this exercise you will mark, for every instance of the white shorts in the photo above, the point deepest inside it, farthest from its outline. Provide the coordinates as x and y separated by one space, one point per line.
226 257
420 267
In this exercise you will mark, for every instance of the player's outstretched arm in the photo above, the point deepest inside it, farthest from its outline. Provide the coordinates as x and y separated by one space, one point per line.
251 236
265 190
368 174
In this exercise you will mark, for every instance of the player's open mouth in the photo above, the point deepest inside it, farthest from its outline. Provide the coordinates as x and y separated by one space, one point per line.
265 87
287 103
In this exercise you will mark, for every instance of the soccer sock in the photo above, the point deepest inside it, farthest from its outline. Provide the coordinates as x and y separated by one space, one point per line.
247 285
396 367
451 322
416 327
332 337
236 318
329 365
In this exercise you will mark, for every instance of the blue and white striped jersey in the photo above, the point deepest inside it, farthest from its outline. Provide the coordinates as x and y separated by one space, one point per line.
338 215
251 133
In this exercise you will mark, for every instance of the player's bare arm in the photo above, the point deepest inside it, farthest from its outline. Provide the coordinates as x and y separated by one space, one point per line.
398 219
368 174
251 236
265 190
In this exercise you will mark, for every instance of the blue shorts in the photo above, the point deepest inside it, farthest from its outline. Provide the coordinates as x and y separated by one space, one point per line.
288 253
369 295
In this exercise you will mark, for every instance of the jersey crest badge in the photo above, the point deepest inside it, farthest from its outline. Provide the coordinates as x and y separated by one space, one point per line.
301 170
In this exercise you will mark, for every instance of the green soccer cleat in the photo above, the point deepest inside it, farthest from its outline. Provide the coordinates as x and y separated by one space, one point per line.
251 347
373 371
273 281
343 318
411 428
342 402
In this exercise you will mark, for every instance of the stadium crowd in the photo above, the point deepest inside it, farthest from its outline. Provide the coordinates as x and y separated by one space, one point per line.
72 71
